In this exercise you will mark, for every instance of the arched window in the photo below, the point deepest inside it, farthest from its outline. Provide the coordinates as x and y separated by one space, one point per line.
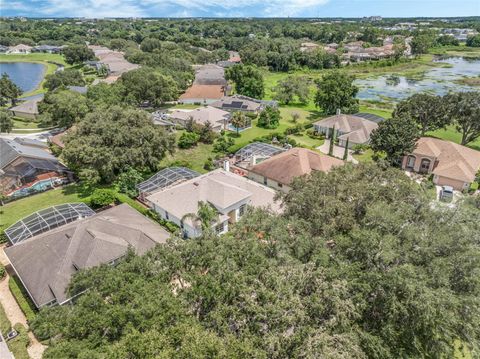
411 161
425 165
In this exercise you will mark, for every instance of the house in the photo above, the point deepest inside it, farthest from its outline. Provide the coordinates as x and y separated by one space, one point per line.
3 49
354 128
217 118
254 153
45 263
210 74
202 94
27 109
451 164
80 89
228 193
48 49
242 103
20 49
26 164
113 61
308 46
280 170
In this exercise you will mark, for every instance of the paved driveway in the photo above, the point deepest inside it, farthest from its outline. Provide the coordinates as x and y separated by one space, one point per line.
337 151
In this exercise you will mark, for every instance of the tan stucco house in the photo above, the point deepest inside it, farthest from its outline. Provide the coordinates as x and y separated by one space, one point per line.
451 164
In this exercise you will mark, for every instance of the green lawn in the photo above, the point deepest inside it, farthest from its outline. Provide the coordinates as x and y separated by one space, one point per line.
450 134
365 157
22 124
195 157
37 58
13 211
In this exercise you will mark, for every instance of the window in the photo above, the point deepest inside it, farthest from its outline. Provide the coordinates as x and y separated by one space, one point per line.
411 161
166 216
265 181
219 228
280 185
241 210
425 165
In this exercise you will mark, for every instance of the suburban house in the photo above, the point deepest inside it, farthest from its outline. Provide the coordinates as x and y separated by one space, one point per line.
254 153
280 170
451 164
210 74
48 49
27 109
114 61
202 94
354 128
217 118
242 103
27 165
227 192
46 262
20 49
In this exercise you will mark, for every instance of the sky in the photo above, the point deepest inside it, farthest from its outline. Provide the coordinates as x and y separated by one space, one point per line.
239 8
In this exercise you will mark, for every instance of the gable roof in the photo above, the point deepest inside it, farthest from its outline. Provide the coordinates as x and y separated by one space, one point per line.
12 149
296 162
452 160
202 115
220 188
203 92
30 106
46 263
357 129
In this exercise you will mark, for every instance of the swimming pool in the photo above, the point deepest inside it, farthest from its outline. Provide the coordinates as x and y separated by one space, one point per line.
38 186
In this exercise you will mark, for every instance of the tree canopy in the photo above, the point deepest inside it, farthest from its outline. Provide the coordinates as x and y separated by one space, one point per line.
111 140
64 78
64 108
248 80
77 54
9 91
291 88
336 91
464 112
359 265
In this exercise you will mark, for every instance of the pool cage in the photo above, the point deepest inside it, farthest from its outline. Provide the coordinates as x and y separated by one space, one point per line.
47 219
165 178
258 150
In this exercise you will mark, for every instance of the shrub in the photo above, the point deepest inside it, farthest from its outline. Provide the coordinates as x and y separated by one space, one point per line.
359 149
269 118
22 298
102 197
188 140
208 166
222 144
2 271
18 345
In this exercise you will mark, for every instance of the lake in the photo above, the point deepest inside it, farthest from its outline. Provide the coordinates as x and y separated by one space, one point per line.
437 81
27 75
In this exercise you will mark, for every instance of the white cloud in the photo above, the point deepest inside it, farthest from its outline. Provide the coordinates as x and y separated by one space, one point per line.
162 8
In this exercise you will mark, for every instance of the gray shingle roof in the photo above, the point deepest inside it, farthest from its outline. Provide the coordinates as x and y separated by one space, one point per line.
46 263
12 149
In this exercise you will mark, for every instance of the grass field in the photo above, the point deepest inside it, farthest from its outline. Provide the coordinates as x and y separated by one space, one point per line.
37 58
13 211
450 134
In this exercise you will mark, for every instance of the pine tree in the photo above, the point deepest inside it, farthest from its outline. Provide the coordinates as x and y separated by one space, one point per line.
345 154
332 141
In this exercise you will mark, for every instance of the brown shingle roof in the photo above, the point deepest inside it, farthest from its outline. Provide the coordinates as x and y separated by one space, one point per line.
296 162
46 263
203 92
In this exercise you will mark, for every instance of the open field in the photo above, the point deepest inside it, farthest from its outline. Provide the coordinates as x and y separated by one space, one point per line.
37 58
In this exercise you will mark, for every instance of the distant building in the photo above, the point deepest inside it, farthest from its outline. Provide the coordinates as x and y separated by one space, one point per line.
20 49
48 49
202 94
217 118
280 170
356 129
27 109
242 103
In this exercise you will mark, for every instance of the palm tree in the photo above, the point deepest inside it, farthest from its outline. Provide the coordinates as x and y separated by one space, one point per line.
206 215
239 120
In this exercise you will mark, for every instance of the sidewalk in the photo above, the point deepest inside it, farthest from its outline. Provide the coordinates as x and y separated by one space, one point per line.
14 313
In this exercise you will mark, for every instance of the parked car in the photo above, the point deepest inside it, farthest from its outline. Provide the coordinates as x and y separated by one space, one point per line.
12 334
446 194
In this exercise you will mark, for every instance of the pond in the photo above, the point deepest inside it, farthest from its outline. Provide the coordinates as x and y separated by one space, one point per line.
27 75
438 81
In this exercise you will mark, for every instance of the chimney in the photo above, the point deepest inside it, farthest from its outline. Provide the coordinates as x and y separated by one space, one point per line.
226 165
339 112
